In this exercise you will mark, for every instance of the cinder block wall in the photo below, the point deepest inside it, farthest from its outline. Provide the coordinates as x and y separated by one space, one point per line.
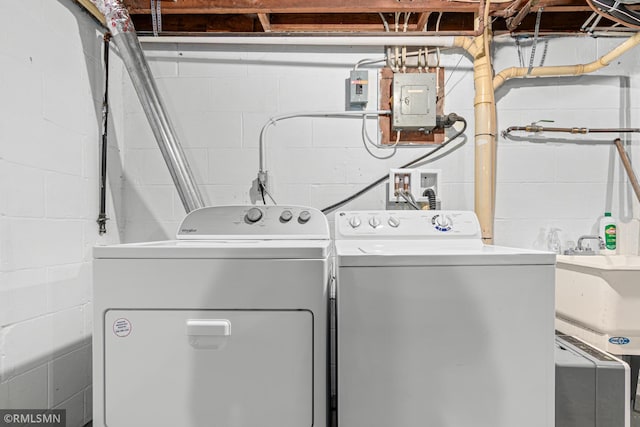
219 98
51 85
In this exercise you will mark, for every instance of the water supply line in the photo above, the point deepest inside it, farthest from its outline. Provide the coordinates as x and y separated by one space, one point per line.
119 23
535 128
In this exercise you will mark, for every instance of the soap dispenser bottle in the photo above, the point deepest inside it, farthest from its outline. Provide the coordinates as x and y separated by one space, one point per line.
608 232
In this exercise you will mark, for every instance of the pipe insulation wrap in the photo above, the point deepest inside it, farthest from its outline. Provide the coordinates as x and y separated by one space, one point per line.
116 15
126 39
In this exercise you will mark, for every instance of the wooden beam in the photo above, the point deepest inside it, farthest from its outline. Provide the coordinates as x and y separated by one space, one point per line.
92 9
422 20
305 6
264 21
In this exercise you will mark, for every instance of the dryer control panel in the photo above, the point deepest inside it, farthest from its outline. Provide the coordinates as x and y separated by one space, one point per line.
254 222
407 225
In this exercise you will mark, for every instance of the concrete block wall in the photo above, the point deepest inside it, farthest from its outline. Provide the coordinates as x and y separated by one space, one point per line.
220 97
51 86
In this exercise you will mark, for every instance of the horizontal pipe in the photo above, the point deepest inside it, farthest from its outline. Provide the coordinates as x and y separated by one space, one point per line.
567 70
574 130
384 39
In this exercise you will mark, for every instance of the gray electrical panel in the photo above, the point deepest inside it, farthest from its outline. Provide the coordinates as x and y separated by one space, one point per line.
358 87
591 386
414 101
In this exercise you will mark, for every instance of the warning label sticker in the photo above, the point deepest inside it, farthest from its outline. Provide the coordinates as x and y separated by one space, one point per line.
122 327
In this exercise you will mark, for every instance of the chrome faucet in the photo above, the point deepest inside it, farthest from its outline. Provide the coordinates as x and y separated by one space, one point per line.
579 247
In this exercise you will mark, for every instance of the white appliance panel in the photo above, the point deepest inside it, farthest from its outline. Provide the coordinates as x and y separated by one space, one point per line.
240 368
435 346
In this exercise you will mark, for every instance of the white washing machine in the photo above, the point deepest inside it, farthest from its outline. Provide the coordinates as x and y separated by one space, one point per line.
224 327
436 329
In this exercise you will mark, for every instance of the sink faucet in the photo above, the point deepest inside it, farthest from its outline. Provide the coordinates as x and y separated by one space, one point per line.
598 238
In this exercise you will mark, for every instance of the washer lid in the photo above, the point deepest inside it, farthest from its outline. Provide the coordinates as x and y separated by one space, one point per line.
384 253
220 249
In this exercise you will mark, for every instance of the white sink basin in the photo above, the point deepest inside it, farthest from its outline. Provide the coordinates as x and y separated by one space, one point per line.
598 300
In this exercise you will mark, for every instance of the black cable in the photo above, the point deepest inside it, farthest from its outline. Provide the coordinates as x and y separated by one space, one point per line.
261 187
386 177
102 216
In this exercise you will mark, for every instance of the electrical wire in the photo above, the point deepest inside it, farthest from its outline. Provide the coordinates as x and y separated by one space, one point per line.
261 188
407 165
367 139
273 120
384 22
263 191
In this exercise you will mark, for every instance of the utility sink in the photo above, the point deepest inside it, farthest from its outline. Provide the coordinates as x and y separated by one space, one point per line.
598 300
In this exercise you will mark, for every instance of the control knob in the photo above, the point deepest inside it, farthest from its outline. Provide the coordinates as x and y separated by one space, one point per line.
304 216
254 215
374 222
286 216
394 222
442 223
354 222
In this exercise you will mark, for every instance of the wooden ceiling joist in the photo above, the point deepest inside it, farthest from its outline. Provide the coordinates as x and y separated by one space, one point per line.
353 16
305 6
265 22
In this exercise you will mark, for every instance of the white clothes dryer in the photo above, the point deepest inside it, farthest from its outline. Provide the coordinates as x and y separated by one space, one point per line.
225 326
434 328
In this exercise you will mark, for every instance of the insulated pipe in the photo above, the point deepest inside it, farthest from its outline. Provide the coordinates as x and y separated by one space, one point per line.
124 36
567 70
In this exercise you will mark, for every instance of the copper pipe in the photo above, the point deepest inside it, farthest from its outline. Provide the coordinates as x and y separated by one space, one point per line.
627 166
575 130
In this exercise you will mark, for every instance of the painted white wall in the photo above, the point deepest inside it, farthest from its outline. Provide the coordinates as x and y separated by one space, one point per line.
51 85
219 97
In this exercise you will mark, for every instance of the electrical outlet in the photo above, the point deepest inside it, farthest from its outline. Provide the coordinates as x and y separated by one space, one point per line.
416 182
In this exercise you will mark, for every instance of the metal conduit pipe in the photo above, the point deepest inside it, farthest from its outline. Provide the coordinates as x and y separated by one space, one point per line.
124 36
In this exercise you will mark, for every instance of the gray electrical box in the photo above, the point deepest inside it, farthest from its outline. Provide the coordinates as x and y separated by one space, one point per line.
358 88
414 101
591 386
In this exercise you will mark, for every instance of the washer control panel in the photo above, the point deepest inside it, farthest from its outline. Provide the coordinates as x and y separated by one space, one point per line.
407 224
259 222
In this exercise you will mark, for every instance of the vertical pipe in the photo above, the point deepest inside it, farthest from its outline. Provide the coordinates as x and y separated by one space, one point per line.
119 23
485 138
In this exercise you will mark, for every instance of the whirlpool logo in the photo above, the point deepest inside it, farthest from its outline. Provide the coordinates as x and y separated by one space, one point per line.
619 340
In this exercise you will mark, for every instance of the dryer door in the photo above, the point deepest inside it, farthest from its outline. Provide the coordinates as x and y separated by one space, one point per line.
208 368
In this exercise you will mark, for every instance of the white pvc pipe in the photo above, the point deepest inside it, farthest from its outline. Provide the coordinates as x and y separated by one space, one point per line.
383 40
